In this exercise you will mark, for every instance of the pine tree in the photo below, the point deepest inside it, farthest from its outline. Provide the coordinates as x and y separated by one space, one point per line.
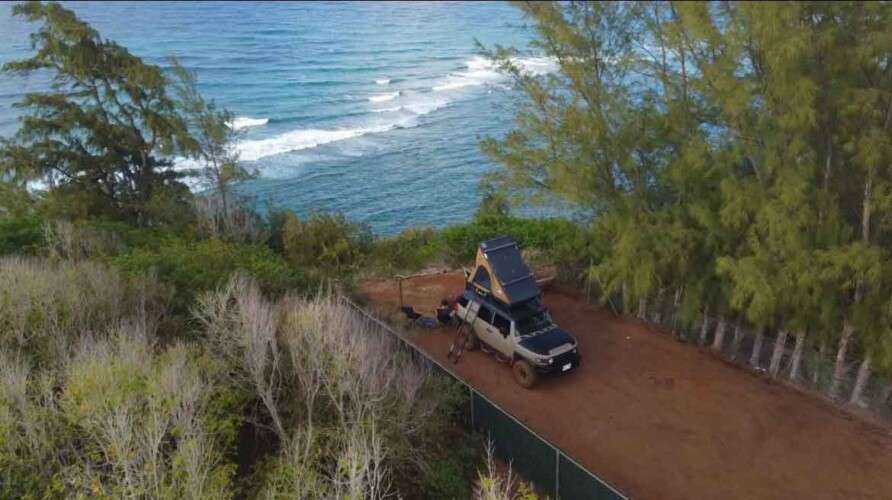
735 154
106 131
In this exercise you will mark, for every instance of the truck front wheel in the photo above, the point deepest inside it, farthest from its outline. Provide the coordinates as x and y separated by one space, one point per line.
524 374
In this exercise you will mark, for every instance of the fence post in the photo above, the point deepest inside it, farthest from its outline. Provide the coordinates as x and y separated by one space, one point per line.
557 474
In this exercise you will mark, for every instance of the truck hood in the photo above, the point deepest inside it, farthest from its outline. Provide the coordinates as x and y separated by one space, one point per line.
544 342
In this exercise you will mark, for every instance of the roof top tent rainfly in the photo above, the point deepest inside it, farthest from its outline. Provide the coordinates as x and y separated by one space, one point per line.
501 272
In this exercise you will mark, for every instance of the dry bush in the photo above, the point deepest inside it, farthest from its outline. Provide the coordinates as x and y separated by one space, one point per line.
494 485
120 419
45 306
233 222
65 240
92 404
342 402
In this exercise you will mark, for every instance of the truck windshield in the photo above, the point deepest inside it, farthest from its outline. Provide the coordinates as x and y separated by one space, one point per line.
534 324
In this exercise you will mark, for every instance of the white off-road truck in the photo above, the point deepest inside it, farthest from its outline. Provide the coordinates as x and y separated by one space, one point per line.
501 308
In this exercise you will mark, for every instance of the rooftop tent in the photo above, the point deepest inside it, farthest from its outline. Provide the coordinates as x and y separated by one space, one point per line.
501 272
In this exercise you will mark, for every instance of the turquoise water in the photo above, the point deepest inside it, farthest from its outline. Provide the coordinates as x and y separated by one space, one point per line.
373 109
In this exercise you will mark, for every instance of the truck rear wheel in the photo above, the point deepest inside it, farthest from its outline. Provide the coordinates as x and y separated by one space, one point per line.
524 374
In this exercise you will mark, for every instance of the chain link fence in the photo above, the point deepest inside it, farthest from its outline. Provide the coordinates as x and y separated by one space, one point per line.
538 460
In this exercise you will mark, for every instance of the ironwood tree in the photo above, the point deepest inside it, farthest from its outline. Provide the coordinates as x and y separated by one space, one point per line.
103 137
736 160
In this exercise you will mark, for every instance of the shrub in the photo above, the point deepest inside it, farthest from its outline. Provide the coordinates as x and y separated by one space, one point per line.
21 235
67 240
545 235
329 243
234 221
353 417
446 479
410 250
132 424
46 306
196 266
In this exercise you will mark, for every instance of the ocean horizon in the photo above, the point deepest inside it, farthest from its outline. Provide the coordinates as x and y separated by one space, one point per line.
375 110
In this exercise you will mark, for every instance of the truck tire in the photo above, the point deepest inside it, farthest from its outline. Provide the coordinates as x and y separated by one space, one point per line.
524 374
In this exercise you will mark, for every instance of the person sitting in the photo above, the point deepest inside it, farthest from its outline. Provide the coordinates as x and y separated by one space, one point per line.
444 312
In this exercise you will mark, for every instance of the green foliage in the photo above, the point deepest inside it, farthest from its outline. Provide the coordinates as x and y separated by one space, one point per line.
734 155
446 479
106 131
216 140
197 266
546 235
328 243
21 235
409 251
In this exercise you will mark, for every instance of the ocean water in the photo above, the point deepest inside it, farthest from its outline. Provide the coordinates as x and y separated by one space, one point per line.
372 109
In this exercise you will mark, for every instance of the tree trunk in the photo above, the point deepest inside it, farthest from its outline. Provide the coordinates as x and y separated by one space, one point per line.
735 342
718 342
861 381
816 375
757 348
675 303
839 367
625 293
779 346
704 327
642 308
797 355
658 315
884 397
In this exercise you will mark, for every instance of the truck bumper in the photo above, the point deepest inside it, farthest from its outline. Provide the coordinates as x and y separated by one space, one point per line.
562 364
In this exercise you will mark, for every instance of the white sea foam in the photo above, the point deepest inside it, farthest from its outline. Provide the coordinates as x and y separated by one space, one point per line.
384 97
296 140
388 110
240 122
425 105
482 71
382 81
419 105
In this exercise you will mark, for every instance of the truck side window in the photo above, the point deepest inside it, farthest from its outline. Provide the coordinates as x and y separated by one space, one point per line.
502 324
484 314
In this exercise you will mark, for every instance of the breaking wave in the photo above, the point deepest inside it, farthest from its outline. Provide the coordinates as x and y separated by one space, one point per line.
481 71
296 140
478 71
384 97
240 122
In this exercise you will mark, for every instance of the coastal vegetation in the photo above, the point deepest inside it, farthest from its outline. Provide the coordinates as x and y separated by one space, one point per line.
736 159
731 161
156 343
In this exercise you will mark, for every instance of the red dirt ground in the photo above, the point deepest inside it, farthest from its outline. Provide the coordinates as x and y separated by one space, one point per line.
660 419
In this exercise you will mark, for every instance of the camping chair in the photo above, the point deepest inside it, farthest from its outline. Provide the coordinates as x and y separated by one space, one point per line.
416 318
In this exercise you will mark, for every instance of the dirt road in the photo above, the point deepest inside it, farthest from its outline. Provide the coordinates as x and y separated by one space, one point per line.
660 419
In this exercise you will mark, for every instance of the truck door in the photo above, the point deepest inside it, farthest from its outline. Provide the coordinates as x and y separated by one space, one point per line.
504 342
483 326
